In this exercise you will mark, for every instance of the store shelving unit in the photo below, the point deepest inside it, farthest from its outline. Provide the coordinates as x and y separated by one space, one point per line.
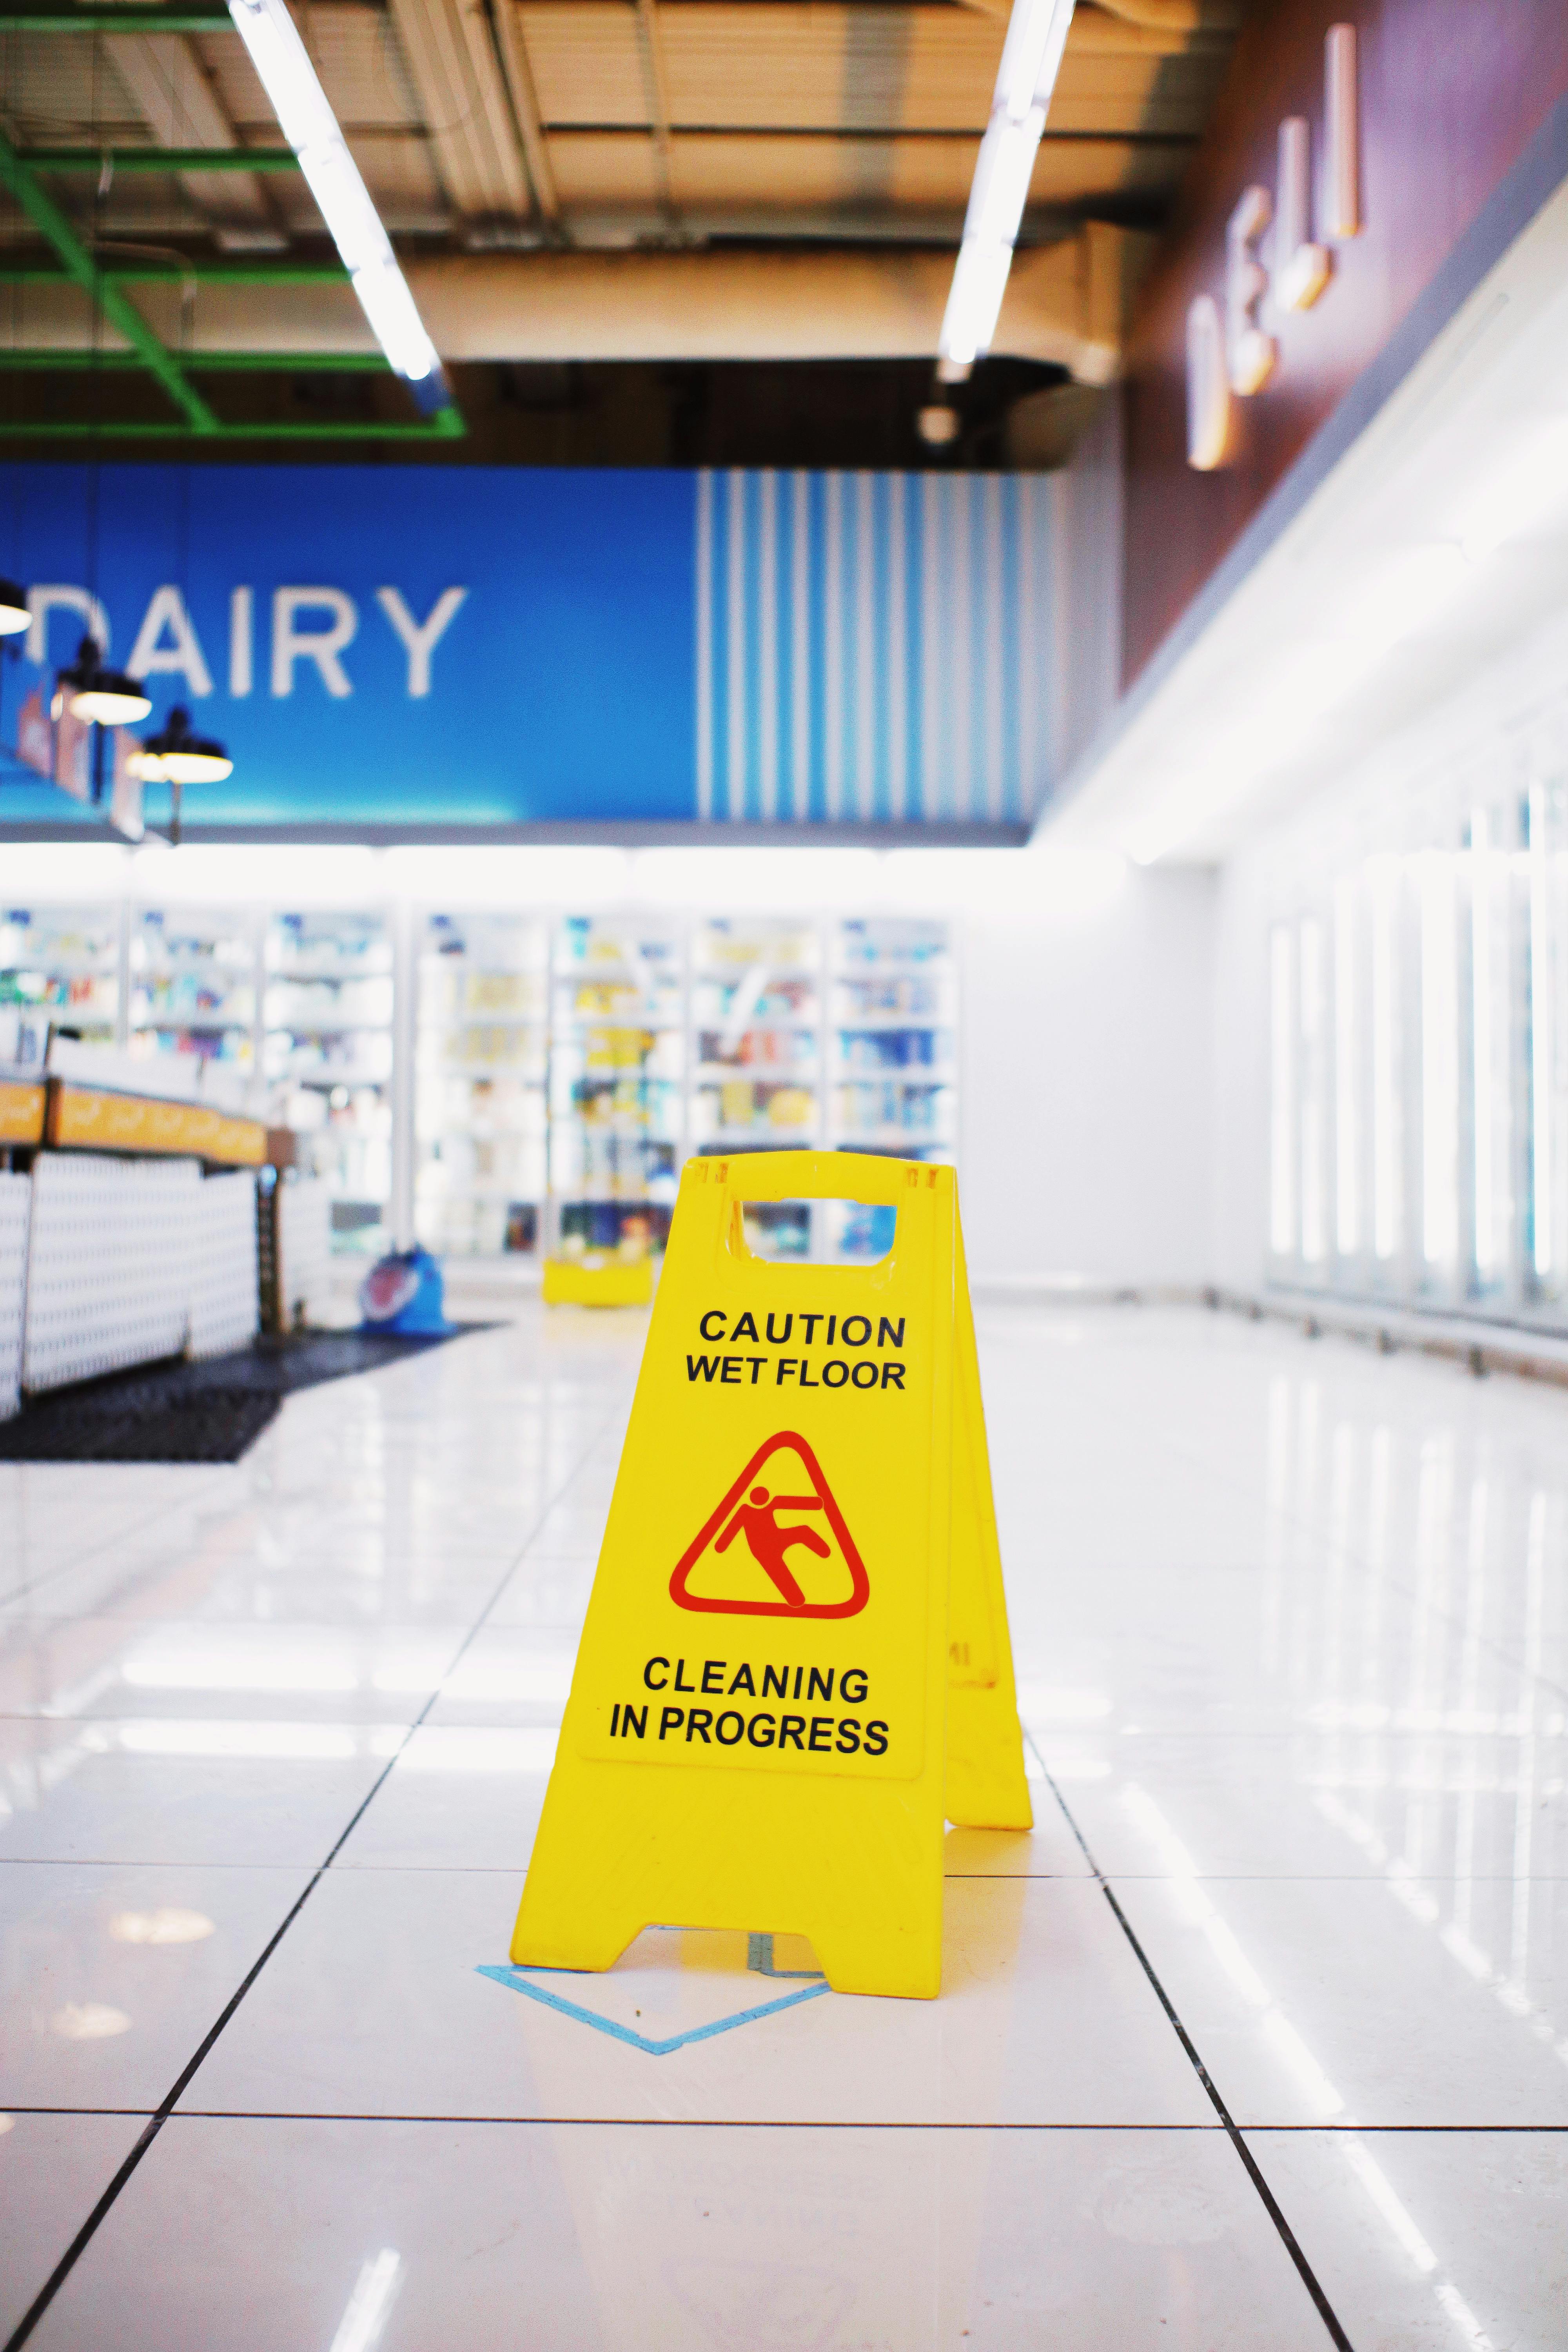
618 1061
553 1071
196 977
892 1050
61 965
328 1058
755 1054
481 1074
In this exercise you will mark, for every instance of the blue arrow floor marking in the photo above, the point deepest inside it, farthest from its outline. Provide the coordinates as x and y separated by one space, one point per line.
535 1991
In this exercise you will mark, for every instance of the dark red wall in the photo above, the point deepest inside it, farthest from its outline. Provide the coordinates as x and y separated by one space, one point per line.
1451 93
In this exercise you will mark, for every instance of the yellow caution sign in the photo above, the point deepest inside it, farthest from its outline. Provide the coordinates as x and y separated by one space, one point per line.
985 1784
598 1279
757 1736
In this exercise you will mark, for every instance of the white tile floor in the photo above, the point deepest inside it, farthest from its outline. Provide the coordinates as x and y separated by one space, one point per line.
1260 2041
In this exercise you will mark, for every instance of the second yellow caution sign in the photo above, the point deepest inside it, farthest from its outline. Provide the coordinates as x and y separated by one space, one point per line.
756 1737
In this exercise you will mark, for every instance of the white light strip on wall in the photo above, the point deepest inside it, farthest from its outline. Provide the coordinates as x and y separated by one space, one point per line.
1031 58
1407 590
308 124
1543 1046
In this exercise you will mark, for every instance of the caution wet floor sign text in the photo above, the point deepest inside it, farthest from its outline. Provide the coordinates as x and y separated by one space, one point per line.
800 1560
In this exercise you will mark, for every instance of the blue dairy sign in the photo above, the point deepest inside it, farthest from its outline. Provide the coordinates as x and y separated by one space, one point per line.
409 648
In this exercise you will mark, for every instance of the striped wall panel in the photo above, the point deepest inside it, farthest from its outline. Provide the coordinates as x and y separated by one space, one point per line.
872 648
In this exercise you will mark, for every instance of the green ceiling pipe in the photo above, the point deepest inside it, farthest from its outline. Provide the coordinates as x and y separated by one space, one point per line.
160 159
203 273
82 363
447 424
51 223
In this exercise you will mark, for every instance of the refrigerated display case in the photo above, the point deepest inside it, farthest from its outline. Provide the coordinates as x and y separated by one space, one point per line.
892 1048
194 990
60 966
755 1035
328 1055
618 1061
481 1073
559 1069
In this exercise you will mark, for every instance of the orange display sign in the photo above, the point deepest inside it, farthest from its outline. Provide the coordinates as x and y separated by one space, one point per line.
21 1111
90 1119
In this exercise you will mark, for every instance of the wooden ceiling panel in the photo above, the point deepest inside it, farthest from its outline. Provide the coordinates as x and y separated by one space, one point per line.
361 66
61 90
238 87
587 64
356 53
856 177
605 171
398 168
1134 92
950 73
756 67
1084 170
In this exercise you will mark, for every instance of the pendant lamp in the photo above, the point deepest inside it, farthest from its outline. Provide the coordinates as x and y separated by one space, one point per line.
106 698
176 756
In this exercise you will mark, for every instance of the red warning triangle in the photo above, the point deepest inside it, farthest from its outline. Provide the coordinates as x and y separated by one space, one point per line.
790 1545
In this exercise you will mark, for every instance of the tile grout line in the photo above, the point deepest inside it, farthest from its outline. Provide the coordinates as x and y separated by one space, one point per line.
154 2125
788 2123
166 2108
1308 2277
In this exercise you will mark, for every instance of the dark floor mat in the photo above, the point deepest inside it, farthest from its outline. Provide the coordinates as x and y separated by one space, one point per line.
212 1411
303 1359
219 1425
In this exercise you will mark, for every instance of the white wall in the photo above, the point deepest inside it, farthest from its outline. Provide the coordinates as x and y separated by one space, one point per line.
1088 1105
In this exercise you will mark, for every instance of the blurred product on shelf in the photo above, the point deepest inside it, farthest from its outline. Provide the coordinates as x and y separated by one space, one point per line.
328 1054
757 1006
835 1232
61 965
194 987
561 1066
481 1070
894 1010
617 1041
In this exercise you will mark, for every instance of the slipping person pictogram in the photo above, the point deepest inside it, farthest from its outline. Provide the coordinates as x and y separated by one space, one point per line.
769 1542
751 1509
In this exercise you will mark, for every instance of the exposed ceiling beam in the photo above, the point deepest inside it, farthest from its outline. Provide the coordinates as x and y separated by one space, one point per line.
462 94
1179 17
656 83
1065 305
1128 27
511 47
169 86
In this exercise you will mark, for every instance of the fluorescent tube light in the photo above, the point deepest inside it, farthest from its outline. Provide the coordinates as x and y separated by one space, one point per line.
1031 58
308 124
